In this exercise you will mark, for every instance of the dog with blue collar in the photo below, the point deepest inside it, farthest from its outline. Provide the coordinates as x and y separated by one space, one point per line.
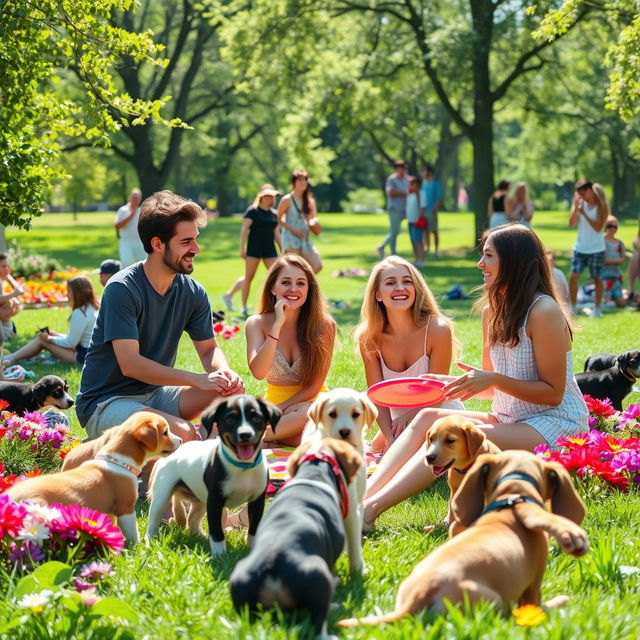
502 553
226 471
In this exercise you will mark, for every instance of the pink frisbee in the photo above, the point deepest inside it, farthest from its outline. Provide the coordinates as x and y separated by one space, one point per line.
408 393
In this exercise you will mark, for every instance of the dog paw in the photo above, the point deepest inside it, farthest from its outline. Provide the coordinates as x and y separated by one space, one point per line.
574 541
554 603
217 548
428 528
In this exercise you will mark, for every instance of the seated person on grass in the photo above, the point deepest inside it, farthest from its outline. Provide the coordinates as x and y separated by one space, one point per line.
144 311
10 303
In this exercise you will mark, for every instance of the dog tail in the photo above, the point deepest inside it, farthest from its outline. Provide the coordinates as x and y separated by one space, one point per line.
393 616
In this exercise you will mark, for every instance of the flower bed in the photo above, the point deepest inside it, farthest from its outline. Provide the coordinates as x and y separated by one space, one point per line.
605 458
45 290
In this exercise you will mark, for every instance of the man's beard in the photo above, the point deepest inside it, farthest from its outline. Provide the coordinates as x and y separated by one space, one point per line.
177 265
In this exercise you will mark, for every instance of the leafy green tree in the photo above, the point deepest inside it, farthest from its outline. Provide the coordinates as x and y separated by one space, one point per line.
36 41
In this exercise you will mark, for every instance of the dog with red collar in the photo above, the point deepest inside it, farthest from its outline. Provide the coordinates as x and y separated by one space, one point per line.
302 535
227 471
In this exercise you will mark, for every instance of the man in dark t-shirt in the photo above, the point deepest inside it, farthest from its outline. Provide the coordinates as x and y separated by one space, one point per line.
144 311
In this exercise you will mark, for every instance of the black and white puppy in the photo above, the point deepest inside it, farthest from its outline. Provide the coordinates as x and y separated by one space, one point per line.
226 471
48 391
302 535
615 381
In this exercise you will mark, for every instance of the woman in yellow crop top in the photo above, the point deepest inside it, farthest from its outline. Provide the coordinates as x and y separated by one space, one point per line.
290 343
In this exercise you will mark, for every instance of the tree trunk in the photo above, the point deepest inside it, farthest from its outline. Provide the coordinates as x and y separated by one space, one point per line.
224 189
625 174
482 141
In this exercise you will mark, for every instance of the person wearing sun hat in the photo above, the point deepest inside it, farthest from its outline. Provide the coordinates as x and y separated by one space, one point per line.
258 236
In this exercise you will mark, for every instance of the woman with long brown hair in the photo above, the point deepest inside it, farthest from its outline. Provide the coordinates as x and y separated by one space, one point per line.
71 346
290 343
535 395
402 333
296 213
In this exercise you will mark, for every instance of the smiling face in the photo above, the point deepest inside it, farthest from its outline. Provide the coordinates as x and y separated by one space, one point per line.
396 289
182 248
489 263
292 286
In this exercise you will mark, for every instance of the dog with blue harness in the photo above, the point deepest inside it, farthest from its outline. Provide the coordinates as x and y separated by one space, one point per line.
502 553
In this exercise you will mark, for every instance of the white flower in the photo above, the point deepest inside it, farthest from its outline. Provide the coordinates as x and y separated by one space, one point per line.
33 530
36 601
42 513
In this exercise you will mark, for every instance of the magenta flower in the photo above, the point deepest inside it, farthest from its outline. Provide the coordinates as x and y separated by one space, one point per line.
36 417
626 461
629 415
25 433
96 570
76 521
81 585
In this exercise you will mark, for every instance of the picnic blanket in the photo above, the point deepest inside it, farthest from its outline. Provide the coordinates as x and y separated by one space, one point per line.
277 458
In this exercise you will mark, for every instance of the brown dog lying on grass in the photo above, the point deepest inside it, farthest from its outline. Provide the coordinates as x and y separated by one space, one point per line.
453 443
502 556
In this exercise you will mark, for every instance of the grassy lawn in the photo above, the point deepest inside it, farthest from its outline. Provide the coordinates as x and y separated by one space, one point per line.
174 587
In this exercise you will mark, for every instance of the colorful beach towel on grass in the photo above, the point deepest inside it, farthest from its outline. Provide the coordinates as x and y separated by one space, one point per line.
278 457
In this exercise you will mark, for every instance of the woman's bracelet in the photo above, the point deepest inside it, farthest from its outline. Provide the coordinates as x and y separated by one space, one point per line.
272 337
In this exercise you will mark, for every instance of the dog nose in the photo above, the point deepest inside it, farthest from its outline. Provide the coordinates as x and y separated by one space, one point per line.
245 435
431 457
70 403
344 433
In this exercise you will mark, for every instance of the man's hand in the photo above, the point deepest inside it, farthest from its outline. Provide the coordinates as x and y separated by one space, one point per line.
224 382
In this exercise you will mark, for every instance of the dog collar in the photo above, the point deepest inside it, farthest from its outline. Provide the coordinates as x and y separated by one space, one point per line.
241 465
463 471
337 472
119 462
627 375
518 475
506 503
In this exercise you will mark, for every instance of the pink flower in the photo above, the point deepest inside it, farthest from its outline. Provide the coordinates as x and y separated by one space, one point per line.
227 334
600 408
76 520
96 570
36 417
11 516
630 415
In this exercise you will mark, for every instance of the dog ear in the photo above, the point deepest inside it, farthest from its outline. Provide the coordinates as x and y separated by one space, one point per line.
430 434
565 500
623 360
348 458
211 414
40 392
370 410
147 433
468 502
315 410
294 459
271 412
475 438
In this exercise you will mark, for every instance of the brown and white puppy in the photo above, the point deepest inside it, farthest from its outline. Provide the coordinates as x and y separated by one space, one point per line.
502 555
302 535
108 481
452 445
344 414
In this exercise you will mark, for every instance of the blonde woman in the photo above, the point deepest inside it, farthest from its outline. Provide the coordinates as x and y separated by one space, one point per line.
518 207
71 346
296 212
402 333
290 343
589 215
526 332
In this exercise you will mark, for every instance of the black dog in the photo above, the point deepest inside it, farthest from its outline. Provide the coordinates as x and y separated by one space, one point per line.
615 381
48 391
301 537
226 471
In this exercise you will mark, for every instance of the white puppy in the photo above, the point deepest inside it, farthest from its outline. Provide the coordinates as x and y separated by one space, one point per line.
345 414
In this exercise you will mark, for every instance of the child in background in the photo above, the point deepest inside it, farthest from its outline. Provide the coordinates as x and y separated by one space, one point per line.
417 221
614 258
10 303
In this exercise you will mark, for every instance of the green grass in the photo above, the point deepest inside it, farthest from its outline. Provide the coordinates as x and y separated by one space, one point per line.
179 593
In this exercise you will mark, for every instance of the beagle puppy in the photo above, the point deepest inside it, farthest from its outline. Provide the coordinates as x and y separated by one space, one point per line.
302 535
502 554
345 414
225 471
452 445
24 396
108 481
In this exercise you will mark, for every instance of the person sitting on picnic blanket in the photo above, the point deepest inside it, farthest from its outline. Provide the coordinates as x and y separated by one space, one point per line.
290 343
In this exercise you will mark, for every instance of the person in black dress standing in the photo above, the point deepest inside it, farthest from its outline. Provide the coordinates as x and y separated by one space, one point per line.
496 209
258 236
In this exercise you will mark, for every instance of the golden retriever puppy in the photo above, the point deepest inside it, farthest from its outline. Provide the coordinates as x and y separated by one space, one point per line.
108 480
452 445
502 554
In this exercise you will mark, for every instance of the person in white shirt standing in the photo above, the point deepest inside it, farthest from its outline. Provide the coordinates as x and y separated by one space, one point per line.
589 214
131 249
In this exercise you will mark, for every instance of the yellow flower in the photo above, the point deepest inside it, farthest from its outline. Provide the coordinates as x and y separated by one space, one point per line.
529 615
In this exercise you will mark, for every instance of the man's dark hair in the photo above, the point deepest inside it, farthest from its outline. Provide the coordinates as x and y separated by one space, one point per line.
3 256
161 212
429 167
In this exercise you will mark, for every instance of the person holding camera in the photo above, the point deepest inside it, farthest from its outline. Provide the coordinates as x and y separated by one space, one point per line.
71 346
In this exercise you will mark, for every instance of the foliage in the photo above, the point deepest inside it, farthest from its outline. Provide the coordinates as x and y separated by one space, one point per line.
364 201
35 41
25 264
